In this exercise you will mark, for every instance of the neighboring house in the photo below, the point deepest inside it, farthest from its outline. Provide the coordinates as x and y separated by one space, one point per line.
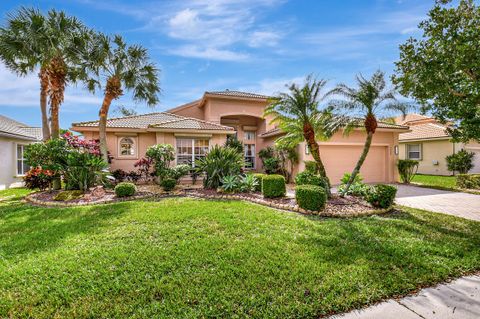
194 127
13 138
429 143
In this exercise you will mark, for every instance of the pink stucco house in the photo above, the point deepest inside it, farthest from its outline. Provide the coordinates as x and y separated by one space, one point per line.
194 127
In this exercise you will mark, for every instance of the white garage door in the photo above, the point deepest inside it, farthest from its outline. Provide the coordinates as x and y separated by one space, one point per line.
339 159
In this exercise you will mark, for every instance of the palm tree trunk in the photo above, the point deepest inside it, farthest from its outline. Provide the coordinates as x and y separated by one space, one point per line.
356 170
57 74
43 104
312 144
113 90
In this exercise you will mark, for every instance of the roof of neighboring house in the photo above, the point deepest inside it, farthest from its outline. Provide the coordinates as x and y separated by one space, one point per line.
382 125
12 128
157 120
238 94
425 131
411 117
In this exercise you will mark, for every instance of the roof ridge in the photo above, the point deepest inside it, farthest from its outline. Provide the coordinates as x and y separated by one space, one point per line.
183 118
127 117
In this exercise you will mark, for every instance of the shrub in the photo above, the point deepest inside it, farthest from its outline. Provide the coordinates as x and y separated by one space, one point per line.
248 183
308 178
38 178
346 177
271 165
258 177
311 166
235 143
407 170
218 163
144 168
120 175
230 184
178 171
358 188
461 162
161 155
265 153
469 181
310 197
68 195
134 176
168 184
125 189
381 195
273 186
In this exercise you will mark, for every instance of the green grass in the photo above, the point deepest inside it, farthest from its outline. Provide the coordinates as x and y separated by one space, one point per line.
447 182
183 258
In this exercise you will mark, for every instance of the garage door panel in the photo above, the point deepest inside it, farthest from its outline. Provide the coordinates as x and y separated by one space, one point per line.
339 159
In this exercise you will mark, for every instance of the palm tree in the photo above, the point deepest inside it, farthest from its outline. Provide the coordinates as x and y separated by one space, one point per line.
297 114
364 104
117 66
30 41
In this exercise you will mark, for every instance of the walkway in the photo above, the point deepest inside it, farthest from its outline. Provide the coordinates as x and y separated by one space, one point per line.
452 203
458 299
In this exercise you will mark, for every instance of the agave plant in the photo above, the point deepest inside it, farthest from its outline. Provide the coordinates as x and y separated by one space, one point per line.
248 183
230 183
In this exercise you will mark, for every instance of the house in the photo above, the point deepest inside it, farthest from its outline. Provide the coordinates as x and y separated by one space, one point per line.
194 127
429 143
13 138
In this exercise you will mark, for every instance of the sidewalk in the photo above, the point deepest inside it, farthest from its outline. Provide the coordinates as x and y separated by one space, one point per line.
458 299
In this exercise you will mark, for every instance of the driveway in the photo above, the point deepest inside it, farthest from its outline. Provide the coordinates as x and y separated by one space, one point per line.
452 203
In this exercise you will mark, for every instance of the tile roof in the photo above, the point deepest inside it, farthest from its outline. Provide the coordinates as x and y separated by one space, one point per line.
238 94
425 131
412 117
157 120
14 128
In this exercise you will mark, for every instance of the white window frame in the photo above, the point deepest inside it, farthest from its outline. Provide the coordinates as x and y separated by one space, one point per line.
419 158
253 135
22 160
135 147
193 155
251 156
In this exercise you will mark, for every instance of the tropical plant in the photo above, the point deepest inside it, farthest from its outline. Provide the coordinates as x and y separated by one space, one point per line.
115 66
248 183
297 113
230 183
271 165
144 167
288 157
161 155
120 175
407 169
358 188
363 105
440 69
83 170
461 161
39 178
218 163
266 153
52 44
233 142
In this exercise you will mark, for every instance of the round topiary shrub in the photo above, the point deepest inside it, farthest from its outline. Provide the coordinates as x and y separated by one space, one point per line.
311 197
381 195
168 184
309 178
273 186
125 189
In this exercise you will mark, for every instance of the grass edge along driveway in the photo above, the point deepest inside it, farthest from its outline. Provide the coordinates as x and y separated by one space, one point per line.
185 258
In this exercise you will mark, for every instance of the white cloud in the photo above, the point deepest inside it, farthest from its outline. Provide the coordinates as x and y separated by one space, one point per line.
209 53
272 86
263 38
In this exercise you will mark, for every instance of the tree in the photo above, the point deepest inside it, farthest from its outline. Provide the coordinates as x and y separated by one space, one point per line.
441 69
124 111
30 41
115 66
298 115
364 104
461 161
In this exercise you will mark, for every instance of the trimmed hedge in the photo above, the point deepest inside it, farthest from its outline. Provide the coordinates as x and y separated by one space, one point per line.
310 197
125 189
273 186
469 181
381 195
259 177
309 178
168 184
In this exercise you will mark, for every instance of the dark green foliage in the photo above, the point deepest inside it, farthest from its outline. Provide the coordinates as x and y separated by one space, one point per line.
125 189
161 155
271 165
120 175
381 195
273 186
310 197
68 195
267 152
461 161
468 181
308 178
358 188
311 166
84 170
168 184
407 169
218 163
259 178
233 142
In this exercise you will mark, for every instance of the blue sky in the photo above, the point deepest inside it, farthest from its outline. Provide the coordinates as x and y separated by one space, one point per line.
251 45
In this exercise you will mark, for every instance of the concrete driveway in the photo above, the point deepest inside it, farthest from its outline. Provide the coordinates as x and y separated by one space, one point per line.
452 203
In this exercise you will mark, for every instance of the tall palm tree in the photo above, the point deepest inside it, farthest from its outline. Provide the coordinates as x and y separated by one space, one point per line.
30 41
363 105
115 66
297 114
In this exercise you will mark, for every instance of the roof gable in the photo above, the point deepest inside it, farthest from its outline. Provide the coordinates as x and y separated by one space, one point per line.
17 129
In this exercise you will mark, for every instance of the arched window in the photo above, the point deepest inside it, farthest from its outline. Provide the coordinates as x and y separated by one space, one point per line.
127 146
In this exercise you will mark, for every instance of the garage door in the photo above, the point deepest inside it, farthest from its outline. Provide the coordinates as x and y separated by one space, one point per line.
339 159
476 161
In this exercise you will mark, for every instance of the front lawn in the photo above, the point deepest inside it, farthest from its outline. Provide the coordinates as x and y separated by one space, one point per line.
185 258
436 181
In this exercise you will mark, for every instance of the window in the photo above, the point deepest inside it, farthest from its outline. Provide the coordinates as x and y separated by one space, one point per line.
249 135
414 151
249 150
127 147
22 167
190 149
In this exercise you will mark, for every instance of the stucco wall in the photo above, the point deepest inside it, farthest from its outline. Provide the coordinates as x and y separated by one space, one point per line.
8 171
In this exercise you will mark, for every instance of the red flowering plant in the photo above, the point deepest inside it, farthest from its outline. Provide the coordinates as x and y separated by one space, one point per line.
144 167
39 178
79 143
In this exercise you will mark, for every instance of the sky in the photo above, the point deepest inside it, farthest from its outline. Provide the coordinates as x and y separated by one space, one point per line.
206 45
